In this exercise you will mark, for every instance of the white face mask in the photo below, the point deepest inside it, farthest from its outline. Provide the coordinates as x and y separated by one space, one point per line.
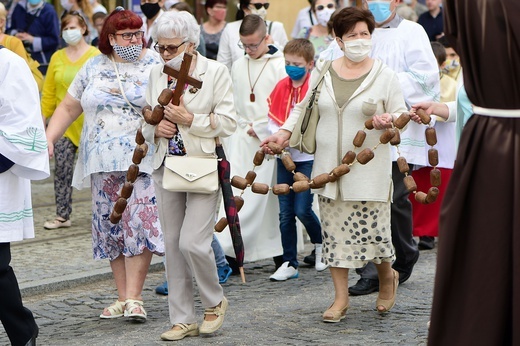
357 50
67 6
323 16
262 13
72 36
176 62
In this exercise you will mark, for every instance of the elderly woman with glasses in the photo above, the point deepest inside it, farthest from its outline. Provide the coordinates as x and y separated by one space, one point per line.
109 89
189 129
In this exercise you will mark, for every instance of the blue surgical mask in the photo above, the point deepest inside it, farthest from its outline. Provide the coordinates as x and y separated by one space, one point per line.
295 72
34 2
380 10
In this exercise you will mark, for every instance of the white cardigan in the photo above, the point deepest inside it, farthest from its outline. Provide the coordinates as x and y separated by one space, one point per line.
215 97
337 128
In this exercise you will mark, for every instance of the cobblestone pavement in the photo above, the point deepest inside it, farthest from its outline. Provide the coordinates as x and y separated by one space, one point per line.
67 290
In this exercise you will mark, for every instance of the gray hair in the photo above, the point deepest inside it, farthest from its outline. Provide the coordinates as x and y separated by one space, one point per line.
172 24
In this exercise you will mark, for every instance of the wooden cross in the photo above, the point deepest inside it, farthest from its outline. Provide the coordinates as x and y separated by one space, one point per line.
359 3
182 77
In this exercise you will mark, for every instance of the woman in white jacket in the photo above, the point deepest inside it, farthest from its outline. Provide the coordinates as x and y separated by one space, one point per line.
354 210
188 218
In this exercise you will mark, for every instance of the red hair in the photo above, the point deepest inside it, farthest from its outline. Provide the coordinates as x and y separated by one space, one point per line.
118 20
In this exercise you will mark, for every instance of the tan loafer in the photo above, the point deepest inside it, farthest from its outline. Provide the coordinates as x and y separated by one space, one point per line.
184 331
209 327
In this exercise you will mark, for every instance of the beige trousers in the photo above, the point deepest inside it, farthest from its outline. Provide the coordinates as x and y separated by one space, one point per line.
187 221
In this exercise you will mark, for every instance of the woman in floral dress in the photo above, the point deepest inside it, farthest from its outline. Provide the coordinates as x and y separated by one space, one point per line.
105 153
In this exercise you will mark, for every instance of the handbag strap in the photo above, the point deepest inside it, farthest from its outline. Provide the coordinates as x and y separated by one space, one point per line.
317 88
121 87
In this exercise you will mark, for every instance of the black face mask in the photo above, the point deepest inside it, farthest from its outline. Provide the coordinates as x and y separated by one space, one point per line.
150 10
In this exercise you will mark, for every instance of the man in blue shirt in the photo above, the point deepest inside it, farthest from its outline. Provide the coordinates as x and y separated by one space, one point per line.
432 21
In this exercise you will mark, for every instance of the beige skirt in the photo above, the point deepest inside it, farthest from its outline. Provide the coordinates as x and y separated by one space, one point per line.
355 233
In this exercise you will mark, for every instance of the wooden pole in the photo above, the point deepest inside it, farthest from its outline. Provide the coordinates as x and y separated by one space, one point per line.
359 3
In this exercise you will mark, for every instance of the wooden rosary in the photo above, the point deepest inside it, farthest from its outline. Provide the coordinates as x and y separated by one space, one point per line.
153 117
303 183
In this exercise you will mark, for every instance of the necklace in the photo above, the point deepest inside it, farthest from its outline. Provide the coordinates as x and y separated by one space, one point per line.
252 95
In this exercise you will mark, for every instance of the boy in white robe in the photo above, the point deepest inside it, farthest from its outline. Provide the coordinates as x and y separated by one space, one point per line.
23 156
254 76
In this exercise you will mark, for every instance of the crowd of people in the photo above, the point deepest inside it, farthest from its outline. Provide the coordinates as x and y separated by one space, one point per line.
361 66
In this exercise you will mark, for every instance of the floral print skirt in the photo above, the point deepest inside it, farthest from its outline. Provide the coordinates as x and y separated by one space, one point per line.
139 227
355 233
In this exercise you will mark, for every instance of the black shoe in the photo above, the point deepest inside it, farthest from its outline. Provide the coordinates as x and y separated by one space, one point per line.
364 286
310 259
426 243
405 275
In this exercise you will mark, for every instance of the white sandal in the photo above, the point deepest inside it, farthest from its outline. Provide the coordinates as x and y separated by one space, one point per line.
130 306
116 310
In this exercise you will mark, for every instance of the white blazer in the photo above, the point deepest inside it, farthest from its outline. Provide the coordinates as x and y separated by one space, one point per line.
215 96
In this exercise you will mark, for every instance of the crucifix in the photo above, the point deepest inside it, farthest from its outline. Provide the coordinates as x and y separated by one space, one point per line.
153 118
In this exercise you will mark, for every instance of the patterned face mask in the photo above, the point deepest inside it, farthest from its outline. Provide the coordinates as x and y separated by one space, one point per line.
129 53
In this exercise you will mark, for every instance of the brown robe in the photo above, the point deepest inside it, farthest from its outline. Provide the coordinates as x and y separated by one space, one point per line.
477 287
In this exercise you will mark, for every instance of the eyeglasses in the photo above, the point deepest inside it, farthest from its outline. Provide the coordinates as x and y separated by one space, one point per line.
127 36
171 49
259 5
321 7
251 47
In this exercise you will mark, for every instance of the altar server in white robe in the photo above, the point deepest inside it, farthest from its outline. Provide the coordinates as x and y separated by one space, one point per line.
254 76
229 51
23 157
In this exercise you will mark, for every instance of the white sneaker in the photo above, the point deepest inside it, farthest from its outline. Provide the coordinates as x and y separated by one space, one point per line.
319 265
57 223
284 272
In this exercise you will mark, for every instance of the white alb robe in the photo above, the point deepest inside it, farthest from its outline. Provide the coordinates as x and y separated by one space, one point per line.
259 215
23 141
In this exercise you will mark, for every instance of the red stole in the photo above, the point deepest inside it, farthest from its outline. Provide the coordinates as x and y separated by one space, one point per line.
284 97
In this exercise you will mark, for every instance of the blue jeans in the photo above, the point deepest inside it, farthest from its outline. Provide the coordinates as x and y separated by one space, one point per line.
220 256
295 205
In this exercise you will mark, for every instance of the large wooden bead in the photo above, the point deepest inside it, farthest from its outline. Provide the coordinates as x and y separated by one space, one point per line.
431 136
403 165
120 205
115 217
250 177
132 173
239 182
281 189
433 157
369 124
300 186
259 157
421 197
402 120
365 156
144 146
410 184
165 97
127 189
147 115
221 225
349 157
239 202
387 136
396 139
435 177
359 139
260 188
139 138
275 147
321 179
138 155
288 162
433 193
298 176
341 170
425 117
157 115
